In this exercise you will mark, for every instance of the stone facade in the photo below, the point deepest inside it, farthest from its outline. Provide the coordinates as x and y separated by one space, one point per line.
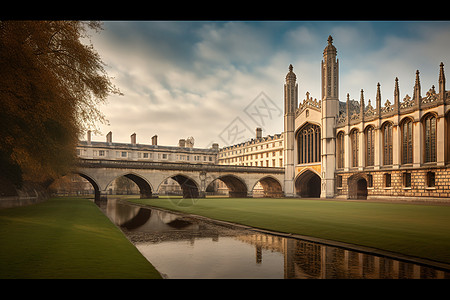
183 153
259 152
358 149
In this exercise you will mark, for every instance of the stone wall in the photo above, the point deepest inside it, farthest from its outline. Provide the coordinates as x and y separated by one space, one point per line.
30 193
421 183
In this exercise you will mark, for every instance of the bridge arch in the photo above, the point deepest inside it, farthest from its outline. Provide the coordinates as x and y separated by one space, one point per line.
188 185
237 188
308 184
145 187
271 187
94 184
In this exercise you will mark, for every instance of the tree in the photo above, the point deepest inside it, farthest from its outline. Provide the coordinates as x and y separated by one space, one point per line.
50 86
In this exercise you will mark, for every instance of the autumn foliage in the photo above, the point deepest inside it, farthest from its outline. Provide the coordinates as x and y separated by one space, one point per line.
51 81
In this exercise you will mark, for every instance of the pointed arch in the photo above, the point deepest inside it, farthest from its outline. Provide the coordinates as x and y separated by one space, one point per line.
429 122
406 131
386 129
354 146
369 134
308 143
340 150
308 184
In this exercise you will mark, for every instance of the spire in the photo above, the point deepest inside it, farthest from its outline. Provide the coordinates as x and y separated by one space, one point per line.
362 106
396 96
330 49
378 93
330 72
441 83
290 92
291 75
378 99
417 87
347 108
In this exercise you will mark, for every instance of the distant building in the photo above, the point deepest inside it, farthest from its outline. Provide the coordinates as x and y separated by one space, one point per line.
185 153
261 152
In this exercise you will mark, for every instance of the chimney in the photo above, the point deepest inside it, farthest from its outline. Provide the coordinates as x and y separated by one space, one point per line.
182 143
89 136
109 137
155 140
133 138
258 133
190 142
215 146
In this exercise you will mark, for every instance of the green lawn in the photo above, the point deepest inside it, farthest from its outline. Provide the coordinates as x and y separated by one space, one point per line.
66 238
411 229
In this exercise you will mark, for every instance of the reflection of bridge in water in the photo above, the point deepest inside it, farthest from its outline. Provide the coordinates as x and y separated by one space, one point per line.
193 178
300 258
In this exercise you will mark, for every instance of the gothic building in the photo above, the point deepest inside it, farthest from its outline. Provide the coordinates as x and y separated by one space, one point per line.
359 150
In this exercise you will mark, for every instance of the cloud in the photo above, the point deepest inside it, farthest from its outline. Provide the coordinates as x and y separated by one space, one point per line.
183 79
199 92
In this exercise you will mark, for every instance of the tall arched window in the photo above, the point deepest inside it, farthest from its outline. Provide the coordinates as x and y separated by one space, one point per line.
387 144
370 147
308 142
407 142
430 138
355 146
340 150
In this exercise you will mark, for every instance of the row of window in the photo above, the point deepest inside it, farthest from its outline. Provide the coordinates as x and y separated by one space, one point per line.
146 155
250 149
429 142
261 163
252 156
406 180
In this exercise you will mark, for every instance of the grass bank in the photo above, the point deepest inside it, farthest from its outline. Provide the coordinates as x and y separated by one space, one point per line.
66 238
411 229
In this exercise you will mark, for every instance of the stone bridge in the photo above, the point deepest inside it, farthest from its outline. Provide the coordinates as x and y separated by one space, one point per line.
193 178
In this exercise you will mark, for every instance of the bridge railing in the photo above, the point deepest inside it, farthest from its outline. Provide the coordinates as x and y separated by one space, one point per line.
126 164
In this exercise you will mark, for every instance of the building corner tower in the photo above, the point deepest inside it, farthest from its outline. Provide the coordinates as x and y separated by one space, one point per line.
290 106
330 112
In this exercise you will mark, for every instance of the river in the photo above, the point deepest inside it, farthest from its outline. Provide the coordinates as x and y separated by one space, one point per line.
181 246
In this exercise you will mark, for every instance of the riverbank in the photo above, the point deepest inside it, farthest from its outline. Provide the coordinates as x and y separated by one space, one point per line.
66 238
415 230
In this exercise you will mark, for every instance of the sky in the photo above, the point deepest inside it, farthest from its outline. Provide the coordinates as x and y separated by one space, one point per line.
217 81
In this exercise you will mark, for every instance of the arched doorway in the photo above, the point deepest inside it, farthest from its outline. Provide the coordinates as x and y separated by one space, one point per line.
357 187
361 192
308 185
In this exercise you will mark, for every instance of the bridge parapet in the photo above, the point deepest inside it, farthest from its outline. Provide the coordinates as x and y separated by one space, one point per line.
124 164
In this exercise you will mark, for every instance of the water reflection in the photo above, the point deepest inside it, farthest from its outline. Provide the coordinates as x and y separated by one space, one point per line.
183 247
